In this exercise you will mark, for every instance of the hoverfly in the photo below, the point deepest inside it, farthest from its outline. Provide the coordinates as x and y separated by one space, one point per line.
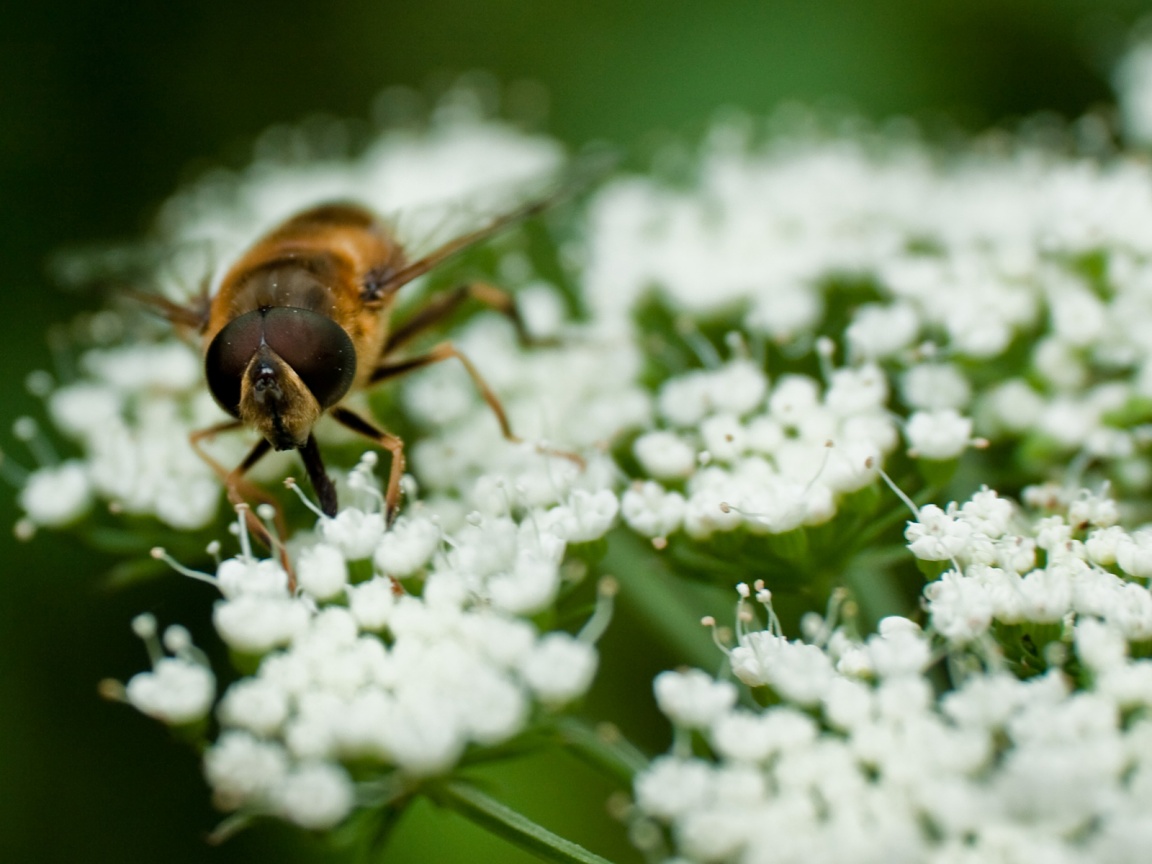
304 318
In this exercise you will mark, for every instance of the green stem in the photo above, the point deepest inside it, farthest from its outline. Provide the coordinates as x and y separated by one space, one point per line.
604 747
664 603
505 822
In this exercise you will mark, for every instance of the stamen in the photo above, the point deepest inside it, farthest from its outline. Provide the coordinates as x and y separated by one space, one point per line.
40 383
764 598
267 514
899 493
161 554
825 351
178 641
710 622
369 494
734 340
242 531
112 690
290 483
144 626
606 592
828 445
27 430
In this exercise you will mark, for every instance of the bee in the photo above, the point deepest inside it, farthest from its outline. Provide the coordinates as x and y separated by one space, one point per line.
304 318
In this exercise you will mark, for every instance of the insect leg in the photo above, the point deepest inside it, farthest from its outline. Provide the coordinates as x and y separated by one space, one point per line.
444 304
194 315
392 443
239 490
445 351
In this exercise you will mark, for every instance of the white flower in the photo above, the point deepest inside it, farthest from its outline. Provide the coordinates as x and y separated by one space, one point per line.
176 691
354 532
407 546
253 577
857 391
1014 405
80 408
723 437
255 624
879 331
1102 544
650 510
692 699
900 648
671 788
57 496
987 513
935 386
940 434
559 668
243 770
587 516
737 387
961 608
322 571
664 455
316 796
937 535
1099 646
797 671
371 602
1134 554
255 704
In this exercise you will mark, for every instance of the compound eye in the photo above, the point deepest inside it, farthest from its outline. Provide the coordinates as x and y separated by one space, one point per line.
316 347
228 356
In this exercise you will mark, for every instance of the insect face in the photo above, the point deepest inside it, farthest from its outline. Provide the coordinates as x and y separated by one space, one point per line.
278 368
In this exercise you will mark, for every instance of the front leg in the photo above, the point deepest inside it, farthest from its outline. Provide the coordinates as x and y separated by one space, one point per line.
392 443
240 490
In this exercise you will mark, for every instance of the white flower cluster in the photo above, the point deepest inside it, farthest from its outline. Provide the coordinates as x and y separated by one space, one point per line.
1071 564
359 670
1005 293
767 458
861 761
130 414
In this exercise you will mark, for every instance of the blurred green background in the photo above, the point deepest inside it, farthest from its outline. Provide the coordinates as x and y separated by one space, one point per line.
104 109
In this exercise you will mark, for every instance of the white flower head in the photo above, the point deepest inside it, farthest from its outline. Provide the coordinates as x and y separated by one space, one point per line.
57 496
322 571
560 668
316 796
175 692
664 455
692 699
407 546
1134 554
354 532
937 535
940 434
